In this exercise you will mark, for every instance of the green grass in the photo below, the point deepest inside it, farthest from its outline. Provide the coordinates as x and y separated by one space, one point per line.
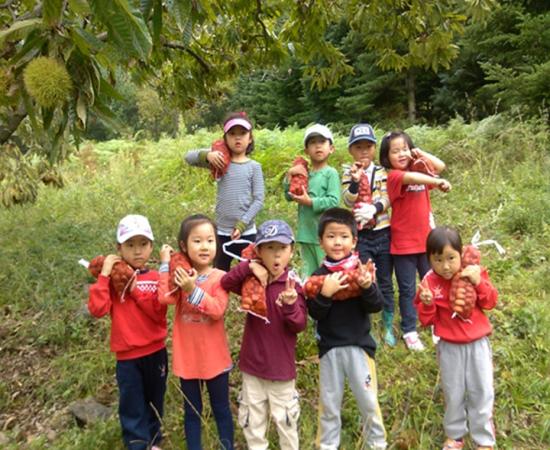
53 355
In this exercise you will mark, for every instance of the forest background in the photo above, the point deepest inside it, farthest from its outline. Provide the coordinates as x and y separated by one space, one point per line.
149 80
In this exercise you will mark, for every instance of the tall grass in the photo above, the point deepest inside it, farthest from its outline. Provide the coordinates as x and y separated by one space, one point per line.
499 169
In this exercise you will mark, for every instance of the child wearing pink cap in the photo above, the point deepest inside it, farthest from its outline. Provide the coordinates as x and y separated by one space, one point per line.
240 180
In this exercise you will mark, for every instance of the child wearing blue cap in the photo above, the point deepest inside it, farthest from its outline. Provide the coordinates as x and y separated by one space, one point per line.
268 351
365 180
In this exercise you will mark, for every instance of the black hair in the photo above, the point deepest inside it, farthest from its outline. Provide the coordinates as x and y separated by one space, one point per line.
337 215
441 236
188 224
241 115
385 146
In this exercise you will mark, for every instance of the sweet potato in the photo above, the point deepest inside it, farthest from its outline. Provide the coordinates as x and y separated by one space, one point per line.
220 146
314 283
463 295
177 259
422 164
253 298
364 197
298 183
121 274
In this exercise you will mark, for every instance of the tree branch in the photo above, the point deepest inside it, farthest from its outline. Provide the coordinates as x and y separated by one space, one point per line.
12 123
177 46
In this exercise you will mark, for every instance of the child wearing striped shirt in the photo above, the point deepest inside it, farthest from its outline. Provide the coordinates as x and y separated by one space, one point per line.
240 193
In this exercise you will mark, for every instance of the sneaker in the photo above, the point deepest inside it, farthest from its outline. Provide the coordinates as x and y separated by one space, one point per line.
413 342
451 444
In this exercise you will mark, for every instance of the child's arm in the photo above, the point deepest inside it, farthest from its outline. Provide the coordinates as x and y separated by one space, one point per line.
424 304
487 295
202 157
371 295
292 301
421 178
258 195
166 296
350 184
233 280
439 165
212 303
99 301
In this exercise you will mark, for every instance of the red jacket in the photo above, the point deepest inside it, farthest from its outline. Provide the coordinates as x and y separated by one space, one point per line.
439 313
138 324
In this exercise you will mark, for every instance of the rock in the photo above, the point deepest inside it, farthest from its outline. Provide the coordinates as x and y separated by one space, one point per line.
89 411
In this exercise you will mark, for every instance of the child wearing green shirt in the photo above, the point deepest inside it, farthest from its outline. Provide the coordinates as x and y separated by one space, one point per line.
323 192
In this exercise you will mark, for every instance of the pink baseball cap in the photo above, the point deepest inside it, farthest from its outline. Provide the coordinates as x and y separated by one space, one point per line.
237 121
133 225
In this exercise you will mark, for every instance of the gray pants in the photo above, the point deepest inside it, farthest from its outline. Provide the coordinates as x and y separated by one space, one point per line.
467 382
353 363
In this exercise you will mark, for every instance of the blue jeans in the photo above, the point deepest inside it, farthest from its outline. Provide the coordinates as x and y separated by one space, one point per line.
406 267
375 245
142 384
218 389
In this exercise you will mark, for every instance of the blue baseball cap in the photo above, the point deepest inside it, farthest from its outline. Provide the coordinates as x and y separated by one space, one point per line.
274 231
360 132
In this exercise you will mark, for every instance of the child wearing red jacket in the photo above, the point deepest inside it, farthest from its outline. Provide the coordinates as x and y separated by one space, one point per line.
464 351
138 333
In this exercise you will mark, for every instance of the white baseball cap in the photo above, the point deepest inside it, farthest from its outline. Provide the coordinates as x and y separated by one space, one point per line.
318 130
133 225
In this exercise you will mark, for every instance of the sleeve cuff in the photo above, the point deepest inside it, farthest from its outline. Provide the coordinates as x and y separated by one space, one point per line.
353 187
202 156
379 207
240 225
196 296
164 267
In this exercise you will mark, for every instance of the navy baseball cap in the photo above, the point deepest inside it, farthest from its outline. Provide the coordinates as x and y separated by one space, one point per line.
274 231
360 132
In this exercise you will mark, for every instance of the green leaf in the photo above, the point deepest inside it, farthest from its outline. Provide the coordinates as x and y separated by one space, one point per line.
157 22
86 42
105 88
80 7
21 29
145 7
52 10
81 110
32 46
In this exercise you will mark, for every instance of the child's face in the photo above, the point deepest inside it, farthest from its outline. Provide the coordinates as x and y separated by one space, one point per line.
363 151
399 153
275 257
447 263
201 246
318 149
238 139
337 240
136 251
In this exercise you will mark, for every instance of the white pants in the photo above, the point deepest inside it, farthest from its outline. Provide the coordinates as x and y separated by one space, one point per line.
257 399
467 383
353 363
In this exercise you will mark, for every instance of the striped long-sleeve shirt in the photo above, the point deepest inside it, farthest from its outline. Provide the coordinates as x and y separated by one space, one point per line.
240 193
380 197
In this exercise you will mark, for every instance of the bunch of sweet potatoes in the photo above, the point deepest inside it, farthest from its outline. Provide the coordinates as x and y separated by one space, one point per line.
121 274
298 182
253 298
463 294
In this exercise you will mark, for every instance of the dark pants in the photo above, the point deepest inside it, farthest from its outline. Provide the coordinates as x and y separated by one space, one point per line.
142 384
406 267
375 245
218 390
223 261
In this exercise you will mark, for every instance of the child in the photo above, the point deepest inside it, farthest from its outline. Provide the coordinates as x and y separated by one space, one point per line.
464 351
268 351
373 239
138 332
240 193
411 221
346 348
323 192
201 353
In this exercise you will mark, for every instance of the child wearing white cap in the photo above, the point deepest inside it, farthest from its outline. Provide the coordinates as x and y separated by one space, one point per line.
138 333
323 192
240 191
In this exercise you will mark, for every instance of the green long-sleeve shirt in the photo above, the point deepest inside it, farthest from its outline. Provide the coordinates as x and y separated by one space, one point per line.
324 189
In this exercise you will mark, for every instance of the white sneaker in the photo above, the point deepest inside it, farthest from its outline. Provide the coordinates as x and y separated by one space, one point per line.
413 342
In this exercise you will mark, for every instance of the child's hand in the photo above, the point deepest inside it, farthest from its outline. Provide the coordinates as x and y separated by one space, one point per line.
303 199
165 253
235 234
260 272
185 280
365 277
472 273
216 159
298 169
425 295
333 283
356 171
444 185
289 295
108 263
